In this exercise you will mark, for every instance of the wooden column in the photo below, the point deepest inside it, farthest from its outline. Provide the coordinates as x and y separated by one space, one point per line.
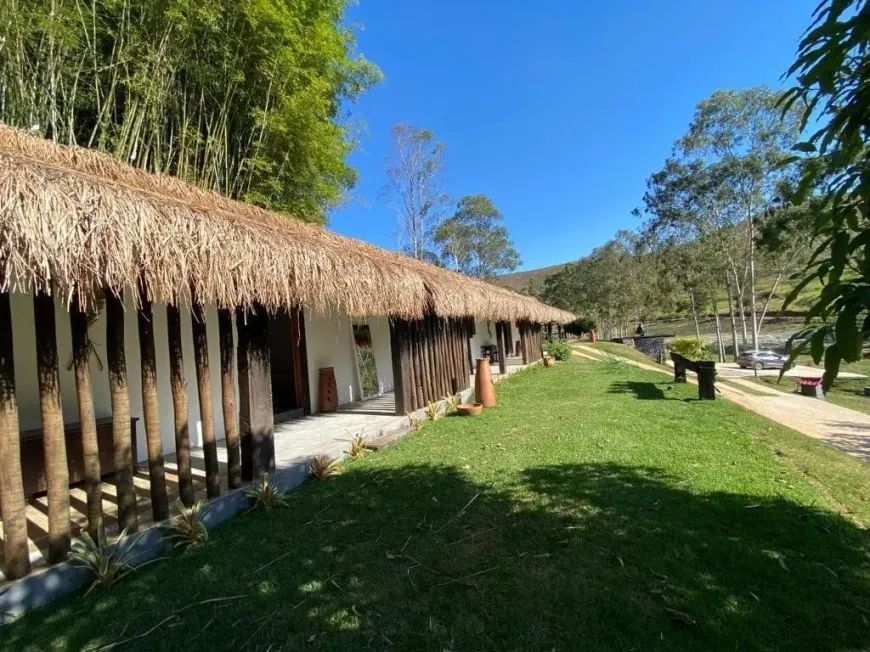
228 400
257 422
524 344
53 435
206 399
12 503
300 360
151 410
120 394
401 367
81 346
179 406
502 347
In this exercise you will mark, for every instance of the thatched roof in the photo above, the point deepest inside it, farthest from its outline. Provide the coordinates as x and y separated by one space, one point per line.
73 218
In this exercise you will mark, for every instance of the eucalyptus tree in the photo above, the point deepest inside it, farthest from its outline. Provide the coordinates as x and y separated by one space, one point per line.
473 240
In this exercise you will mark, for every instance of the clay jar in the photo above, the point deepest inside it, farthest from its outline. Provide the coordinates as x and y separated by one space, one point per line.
484 390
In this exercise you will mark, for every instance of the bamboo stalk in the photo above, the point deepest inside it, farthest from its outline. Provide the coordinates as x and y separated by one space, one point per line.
121 426
81 345
53 435
179 406
12 503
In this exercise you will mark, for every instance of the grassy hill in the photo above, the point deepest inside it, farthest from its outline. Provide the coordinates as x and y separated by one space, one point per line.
519 281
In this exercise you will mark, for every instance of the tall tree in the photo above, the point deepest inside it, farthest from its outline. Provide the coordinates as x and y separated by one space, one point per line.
474 242
415 170
745 136
247 98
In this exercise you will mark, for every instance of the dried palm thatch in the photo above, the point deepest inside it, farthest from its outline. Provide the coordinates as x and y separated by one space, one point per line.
76 219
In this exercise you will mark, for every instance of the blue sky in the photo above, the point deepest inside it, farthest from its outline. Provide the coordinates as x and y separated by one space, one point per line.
557 110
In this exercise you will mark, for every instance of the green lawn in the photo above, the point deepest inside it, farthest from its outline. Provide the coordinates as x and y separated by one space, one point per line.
624 351
594 509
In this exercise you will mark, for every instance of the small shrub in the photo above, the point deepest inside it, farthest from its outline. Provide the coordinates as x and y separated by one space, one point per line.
187 529
413 421
689 347
450 402
358 448
323 467
432 412
266 494
106 562
558 349
580 326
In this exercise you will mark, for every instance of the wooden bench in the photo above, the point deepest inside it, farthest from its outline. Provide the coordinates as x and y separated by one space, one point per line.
705 369
33 455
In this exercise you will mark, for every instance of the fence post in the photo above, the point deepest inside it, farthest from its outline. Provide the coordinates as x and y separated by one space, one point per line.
679 368
707 380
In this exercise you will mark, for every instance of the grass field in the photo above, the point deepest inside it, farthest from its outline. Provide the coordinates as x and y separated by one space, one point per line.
594 508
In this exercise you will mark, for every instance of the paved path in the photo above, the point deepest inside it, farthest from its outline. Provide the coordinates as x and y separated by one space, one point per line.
846 429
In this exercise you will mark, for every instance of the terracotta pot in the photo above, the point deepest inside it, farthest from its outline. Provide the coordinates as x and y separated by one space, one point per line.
593 336
470 409
484 389
328 394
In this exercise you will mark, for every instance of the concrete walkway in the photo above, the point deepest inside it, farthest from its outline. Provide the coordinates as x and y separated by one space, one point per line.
846 429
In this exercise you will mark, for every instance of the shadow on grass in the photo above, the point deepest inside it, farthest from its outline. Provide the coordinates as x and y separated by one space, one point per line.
645 391
596 556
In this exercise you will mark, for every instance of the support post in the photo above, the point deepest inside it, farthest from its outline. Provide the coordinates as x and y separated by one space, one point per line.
14 508
255 394
707 380
151 409
679 368
120 395
81 345
206 399
179 406
399 354
228 400
53 435
502 347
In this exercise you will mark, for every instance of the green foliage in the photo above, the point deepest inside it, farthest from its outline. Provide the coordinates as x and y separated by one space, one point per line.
432 411
450 402
833 73
558 349
689 347
187 529
581 326
358 447
474 242
265 494
106 561
243 97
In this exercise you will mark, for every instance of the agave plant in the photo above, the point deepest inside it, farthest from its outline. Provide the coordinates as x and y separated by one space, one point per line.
450 402
106 561
358 447
413 421
187 530
266 494
432 412
324 466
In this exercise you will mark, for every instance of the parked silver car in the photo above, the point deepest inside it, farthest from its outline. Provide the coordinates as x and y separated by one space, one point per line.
760 360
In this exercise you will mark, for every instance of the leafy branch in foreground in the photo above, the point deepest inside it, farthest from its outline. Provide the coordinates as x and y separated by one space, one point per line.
833 73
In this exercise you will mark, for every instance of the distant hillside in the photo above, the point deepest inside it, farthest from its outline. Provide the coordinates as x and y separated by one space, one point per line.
519 281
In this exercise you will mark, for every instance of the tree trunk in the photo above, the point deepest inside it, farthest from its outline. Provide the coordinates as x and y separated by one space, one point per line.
720 343
53 435
695 314
120 393
81 346
14 507
753 306
151 411
179 407
733 320
228 400
206 401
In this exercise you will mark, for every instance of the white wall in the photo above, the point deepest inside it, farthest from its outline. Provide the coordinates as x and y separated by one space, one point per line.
329 339
484 334
27 389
